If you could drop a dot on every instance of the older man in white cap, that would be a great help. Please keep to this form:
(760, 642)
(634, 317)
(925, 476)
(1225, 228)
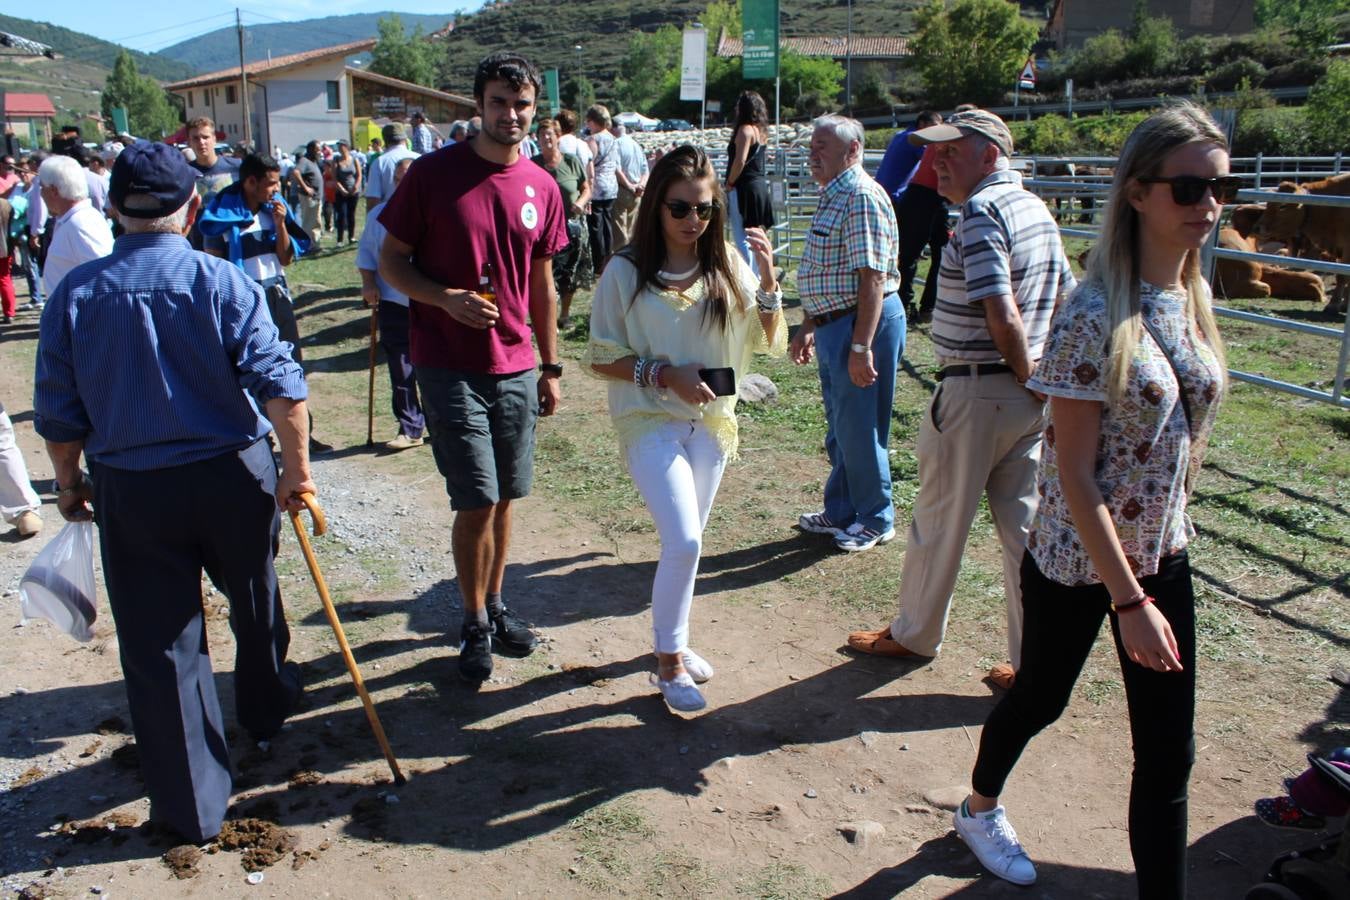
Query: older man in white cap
(1001, 277)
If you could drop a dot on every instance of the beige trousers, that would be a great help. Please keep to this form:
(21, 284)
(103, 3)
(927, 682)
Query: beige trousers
(624, 215)
(980, 436)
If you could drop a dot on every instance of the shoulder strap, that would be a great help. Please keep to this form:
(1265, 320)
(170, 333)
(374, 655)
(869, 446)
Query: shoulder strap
(1181, 385)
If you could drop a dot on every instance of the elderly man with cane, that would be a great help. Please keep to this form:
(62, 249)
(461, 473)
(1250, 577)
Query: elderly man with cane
(153, 363)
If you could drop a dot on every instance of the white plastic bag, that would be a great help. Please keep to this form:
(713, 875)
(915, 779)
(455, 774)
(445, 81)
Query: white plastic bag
(59, 585)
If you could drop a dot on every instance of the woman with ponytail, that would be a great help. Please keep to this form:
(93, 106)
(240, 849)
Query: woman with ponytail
(1134, 369)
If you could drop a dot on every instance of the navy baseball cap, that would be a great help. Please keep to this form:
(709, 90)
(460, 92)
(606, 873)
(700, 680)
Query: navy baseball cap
(152, 169)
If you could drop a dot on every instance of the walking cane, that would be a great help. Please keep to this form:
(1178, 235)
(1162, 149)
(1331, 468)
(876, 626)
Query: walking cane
(320, 526)
(370, 405)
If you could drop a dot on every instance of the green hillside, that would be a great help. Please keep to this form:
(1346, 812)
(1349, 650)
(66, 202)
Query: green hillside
(219, 49)
(547, 32)
(86, 50)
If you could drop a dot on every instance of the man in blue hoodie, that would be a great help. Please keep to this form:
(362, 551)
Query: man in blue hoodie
(249, 224)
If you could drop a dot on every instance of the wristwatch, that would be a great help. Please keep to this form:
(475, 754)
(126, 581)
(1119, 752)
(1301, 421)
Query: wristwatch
(861, 348)
(551, 369)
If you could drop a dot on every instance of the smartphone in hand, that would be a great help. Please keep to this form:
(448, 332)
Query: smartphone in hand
(722, 380)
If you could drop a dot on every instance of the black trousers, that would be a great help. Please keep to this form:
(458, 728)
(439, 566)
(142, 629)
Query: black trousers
(921, 215)
(600, 222)
(223, 519)
(393, 321)
(344, 216)
(1060, 624)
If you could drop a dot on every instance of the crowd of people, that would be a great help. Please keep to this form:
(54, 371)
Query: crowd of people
(1079, 409)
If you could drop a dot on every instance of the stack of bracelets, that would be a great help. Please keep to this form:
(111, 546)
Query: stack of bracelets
(769, 301)
(647, 372)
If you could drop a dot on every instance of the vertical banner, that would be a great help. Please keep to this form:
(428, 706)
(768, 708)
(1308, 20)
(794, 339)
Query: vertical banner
(551, 88)
(119, 117)
(759, 30)
(693, 67)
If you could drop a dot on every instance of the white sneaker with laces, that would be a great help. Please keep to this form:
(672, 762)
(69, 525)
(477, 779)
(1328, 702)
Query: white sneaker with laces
(991, 838)
(698, 668)
(857, 537)
(681, 693)
(818, 523)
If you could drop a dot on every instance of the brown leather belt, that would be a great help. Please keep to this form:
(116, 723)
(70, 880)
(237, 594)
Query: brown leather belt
(962, 369)
(833, 316)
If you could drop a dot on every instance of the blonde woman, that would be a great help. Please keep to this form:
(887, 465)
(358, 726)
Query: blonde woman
(675, 319)
(1134, 370)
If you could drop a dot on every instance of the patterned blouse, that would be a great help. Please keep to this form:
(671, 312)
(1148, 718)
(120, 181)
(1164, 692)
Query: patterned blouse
(1144, 441)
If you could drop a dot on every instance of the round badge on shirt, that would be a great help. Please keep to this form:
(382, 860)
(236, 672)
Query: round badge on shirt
(529, 190)
(529, 216)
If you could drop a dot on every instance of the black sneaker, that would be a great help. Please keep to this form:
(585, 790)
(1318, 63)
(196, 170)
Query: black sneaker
(510, 634)
(475, 653)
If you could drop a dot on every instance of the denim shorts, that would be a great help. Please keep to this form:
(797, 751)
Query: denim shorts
(482, 433)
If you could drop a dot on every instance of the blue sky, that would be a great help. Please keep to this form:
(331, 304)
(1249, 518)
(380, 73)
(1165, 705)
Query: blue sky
(152, 24)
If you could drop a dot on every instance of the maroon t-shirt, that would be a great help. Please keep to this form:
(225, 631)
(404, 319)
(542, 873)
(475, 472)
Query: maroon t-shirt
(458, 210)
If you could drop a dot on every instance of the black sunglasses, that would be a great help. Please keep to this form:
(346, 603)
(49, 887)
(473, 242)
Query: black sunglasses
(1188, 190)
(679, 209)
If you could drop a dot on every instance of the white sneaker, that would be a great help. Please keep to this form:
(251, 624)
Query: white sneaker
(818, 523)
(856, 538)
(698, 668)
(681, 693)
(991, 838)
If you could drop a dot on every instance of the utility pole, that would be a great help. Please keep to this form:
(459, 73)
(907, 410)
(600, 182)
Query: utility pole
(243, 76)
(848, 63)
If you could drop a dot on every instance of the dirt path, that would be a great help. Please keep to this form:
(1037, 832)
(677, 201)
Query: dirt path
(811, 773)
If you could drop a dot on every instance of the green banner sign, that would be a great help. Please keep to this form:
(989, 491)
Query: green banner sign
(759, 30)
(119, 117)
(551, 88)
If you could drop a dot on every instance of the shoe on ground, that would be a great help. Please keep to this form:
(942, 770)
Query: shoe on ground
(879, 643)
(511, 635)
(698, 668)
(293, 688)
(564, 323)
(991, 838)
(403, 442)
(858, 537)
(681, 694)
(28, 523)
(1003, 675)
(318, 446)
(818, 523)
(1283, 812)
(475, 652)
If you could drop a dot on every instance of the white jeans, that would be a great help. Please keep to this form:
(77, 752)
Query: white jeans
(16, 494)
(676, 468)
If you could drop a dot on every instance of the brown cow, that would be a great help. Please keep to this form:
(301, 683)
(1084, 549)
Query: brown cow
(1324, 229)
(1242, 278)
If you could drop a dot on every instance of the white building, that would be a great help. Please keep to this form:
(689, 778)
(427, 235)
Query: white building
(292, 99)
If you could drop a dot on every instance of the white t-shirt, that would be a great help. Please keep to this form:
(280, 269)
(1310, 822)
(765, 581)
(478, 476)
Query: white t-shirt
(81, 234)
(570, 143)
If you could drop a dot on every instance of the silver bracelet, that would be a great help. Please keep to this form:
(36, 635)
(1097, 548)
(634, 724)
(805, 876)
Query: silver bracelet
(638, 365)
(769, 301)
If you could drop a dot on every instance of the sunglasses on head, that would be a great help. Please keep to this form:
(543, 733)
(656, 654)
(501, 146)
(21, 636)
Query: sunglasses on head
(1188, 190)
(679, 209)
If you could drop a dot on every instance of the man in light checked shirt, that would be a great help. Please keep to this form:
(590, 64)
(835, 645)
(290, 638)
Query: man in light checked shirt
(854, 324)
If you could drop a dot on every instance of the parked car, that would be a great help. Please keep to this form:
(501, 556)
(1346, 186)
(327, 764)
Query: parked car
(674, 125)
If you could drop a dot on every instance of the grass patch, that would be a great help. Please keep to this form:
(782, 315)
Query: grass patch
(1098, 691)
(677, 874)
(603, 835)
(784, 881)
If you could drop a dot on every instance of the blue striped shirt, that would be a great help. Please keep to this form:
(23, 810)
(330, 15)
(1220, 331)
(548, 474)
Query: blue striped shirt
(158, 356)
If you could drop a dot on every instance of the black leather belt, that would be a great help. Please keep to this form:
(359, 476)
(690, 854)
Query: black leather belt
(958, 371)
(833, 316)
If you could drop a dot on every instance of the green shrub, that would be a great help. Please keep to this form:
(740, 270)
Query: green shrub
(1051, 136)
(1105, 134)
(1228, 76)
(1281, 131)
(878, 138)
(1296, 74)
(1153, 48)
(1329, 109)
(1101, 58)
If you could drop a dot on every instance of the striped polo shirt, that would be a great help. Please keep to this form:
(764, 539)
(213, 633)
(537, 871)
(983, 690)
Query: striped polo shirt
(1005, 243)
(258, 246)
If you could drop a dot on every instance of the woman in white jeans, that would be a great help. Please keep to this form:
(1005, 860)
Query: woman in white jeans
(676, 302)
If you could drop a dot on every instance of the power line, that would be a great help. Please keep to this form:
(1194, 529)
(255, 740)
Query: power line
(132, 37)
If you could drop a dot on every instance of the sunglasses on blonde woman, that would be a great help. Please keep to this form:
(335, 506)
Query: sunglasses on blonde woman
(679, 209)
(1188, 190)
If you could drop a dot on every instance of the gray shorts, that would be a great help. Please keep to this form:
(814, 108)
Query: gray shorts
(482, 433)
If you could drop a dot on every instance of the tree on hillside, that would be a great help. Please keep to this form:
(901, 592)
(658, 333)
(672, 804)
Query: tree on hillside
(149, 111)
(1311, 22)
(644, 75)
(971, 50)
(398, 55)
(1328, 107)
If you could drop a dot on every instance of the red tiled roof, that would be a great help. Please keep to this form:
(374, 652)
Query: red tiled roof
(271, 65)
(864, 47)
(28, 105)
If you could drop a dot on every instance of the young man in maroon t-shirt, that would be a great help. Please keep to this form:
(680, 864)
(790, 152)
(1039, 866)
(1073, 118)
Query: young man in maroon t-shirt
(472, 231)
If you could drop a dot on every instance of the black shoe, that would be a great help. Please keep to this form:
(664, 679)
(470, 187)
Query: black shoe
(318, 446)
(475, 652)
(293, 688)
(510, 634)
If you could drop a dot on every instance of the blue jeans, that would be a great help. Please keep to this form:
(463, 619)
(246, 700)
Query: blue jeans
(858, 420)
(738, 231)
